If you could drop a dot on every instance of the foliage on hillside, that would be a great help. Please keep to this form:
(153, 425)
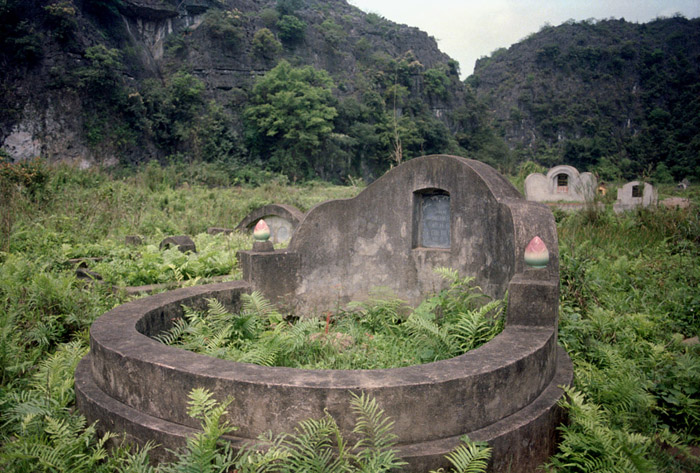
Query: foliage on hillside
(194, 95)
(619, 98)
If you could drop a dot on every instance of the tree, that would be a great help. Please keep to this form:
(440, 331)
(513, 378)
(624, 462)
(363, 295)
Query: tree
(291, 28)
(290, 117)
(265, 44)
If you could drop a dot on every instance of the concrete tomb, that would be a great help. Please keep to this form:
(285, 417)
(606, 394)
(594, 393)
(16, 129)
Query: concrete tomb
(676, 203)
(133, 240)
(281, 218)
(217, 230)
(182, 242)
(429, 212)
(561, 184)
(635, 194)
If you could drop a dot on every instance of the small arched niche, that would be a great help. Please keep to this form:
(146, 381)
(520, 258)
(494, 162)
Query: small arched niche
(637, 191)
(432, 219)
(562, 181)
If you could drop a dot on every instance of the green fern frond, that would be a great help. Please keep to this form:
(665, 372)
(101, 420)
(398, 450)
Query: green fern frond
(312, 449)
(431, 334)
(174, 334)
(138, 460)
(476, 327)
(262, 354)
(448, 274)
(374, 452)
(204, 452)
(469, 457)
(216, 309)
(298, 333)
(200, 403)
(256, 303)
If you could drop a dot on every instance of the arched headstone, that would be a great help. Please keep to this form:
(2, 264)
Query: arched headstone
(635, 194)
(181, 242)
(281, 218)
(561, 184)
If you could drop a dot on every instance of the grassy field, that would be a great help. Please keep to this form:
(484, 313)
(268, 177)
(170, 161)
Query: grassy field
(630, 297)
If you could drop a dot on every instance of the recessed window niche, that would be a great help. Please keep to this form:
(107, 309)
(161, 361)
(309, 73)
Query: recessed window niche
(431, 219)
(562, 183)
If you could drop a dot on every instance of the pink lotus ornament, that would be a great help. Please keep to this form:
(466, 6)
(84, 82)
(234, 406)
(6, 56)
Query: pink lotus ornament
(536, 253)
(261, 232)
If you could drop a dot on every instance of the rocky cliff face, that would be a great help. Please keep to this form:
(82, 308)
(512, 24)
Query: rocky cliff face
(597, 92)
(48, 107)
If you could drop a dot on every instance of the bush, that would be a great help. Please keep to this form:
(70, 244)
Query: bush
(265, 44)
(225, 26)
(291, 29)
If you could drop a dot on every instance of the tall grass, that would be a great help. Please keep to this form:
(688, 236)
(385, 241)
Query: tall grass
(630, 297)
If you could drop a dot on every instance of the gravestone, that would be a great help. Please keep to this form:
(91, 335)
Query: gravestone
(430, 212)
(217, 230)
(133, 240)
(281, 218)
(434, 221)
(561, 184)
(635, 194)
(182, 242)
(676, 203)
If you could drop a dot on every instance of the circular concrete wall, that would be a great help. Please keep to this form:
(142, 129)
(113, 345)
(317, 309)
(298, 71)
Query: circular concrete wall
(504, 391)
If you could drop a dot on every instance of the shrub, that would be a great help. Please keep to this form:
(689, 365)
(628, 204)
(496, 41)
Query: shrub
(291, 29)
(225, 26)
(265, 44)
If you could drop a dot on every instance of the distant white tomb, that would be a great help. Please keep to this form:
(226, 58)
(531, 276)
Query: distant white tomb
(561, 184)
(635, 194)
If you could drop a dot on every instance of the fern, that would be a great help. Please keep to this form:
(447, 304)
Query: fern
(264, 354)
(438, 340)
(591, 444)
(317, 445)
(174, 334)
(381, 311)
(138, 460)
(374, 452)
(256, 304)
(205, 452)
(476, 327)
(469, 457)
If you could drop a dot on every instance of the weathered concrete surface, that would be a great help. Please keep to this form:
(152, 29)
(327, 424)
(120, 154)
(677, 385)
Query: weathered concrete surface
(133, 240)
(149, 382)
(676, 203)
(504, 391)
(526, 438)
(635, 194)
(281, 218)
(217, 230)
(348, 247)
(273, 273)
(578, 187)
(182, 242)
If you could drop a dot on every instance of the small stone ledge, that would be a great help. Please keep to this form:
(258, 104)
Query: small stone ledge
(534, 425)
(512, 370)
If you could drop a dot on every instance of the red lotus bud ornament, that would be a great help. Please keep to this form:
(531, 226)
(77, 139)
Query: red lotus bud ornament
(536, 253)
(261, 232)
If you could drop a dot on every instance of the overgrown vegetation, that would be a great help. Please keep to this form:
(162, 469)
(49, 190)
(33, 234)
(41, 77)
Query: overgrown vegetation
(630, 295)
(630, 288)
(610, 96)
(379, 333)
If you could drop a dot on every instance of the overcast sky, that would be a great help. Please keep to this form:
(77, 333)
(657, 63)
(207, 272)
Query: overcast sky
(469, 29)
